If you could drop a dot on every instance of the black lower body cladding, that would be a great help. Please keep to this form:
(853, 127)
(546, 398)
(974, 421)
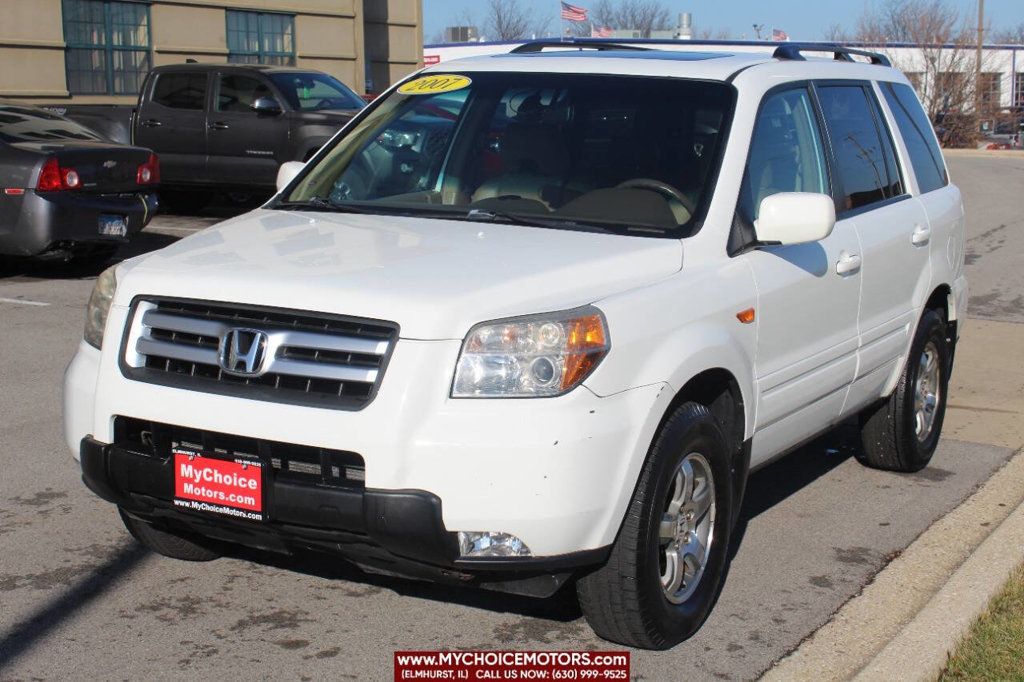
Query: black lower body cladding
(65, 222)
(395, 532)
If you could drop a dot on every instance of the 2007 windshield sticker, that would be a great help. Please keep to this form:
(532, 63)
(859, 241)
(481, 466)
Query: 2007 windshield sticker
(434, 84)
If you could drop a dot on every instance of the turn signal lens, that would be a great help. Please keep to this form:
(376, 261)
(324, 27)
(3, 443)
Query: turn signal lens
(535, 356)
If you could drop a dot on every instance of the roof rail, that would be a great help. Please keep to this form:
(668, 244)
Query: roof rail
(535, 46)
(792, 51)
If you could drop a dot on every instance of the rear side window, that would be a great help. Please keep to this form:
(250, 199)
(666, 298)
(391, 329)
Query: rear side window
(925, 156)
(786, 151)
(180, 90)
(865, 158)
(239, 93)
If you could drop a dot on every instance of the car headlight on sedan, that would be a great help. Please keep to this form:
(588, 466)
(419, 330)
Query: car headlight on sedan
(99, 307)
(537, 356)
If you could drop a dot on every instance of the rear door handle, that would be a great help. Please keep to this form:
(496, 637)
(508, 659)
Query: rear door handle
(848, 264)
(218, 125)
(152, 123)
(921, 236)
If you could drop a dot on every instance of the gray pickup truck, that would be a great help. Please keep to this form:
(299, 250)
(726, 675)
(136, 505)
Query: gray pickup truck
(225, 126)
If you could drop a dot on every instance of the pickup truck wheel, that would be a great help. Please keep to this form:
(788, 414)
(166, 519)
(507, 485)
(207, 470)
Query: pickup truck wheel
(901, 433)
(186, 202)
(168, 544)
(668, 560)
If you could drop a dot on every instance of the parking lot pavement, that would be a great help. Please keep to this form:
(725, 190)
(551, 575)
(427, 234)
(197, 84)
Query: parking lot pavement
(80, 599)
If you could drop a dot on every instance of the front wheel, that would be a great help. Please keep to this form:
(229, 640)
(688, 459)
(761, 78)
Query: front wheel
(667, 563)
(902, 432)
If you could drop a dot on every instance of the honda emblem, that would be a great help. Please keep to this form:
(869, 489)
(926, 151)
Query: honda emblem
(243, 352)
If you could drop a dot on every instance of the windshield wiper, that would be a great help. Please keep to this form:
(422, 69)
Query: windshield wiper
(530, 220)
(324, 204)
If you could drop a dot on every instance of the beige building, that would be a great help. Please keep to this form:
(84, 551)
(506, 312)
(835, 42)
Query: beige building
(98, 51)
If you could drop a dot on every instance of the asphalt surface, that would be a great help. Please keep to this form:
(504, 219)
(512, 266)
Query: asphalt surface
(79, 599)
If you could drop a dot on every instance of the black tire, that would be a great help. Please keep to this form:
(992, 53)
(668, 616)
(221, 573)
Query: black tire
(186, 202)
(624, 600)
(889, 429)
(166, 543)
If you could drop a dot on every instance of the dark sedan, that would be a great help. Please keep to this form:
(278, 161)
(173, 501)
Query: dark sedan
(67, 193)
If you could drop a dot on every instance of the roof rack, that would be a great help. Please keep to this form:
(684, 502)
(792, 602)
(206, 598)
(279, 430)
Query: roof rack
(535, 46)
(793, 51)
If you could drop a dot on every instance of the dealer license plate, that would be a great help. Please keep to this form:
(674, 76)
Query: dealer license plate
(224, 485)
(113, 226)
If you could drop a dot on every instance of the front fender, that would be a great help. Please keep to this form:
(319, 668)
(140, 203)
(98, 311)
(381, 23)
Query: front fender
(673, 330)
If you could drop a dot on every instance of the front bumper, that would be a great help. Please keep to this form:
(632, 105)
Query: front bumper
(36, 223)
(398, 532)
(558, 473)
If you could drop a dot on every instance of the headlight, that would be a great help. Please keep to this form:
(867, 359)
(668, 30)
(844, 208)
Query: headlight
(99, 306)
(531, 357)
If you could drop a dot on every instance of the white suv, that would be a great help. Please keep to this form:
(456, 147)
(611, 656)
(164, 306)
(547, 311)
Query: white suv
(537, 316)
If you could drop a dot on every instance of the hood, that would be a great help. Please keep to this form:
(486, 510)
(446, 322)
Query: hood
(435, 278)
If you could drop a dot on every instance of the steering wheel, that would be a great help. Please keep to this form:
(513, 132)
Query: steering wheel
(663, 188)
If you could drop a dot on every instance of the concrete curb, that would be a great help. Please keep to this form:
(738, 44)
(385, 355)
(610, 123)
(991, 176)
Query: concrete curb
(921, 650)
(904, 623)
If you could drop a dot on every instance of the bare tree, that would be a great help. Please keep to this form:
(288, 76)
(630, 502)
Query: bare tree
(511, 20)
(941, 69)
(642, 16)
(837, 33)
(1011, 36)
(714, 34)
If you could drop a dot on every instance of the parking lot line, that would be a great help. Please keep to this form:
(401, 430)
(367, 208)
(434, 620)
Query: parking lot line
(21, 301)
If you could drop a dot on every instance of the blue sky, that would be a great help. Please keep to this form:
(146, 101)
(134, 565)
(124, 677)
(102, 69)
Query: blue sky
(801, 19)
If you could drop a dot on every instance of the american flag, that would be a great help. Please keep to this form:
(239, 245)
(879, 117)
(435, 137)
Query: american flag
(573, 13)
(778, 35)
(602, 32)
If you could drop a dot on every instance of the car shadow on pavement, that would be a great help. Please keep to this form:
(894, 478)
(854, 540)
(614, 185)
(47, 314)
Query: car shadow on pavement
(54, 614)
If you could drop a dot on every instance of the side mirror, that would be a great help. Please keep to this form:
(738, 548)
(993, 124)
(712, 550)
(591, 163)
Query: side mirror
(287, 172)
(795, 218)
(267, 106)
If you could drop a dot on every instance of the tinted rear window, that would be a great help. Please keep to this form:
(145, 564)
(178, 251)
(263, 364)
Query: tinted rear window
(180, 90)
(864, 153)
(925, 156)
(25, 124)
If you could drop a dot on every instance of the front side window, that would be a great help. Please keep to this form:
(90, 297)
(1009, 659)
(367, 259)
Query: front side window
(315, 91)
(239, 93)
(786, 151)
(107, 46)
(261, 38)
(865, 158)
(632, 154)
(925, 155)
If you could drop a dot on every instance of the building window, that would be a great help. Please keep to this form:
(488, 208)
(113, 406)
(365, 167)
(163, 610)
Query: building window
(261, 38)
(107, 46)
(991, 90)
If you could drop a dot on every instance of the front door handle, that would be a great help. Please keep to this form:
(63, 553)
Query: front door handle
(152, 123)
(921, 236)
(848, 264)
(218, 125)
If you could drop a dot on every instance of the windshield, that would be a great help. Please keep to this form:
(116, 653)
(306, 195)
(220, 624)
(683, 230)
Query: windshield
(313, 91)
(573, 150)
(24, 124)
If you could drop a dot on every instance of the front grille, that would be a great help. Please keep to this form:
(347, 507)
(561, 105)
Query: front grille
(297, 463)
(311, 359)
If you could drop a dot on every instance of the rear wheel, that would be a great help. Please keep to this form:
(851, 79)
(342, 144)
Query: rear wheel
(667, 563)
(186, 202)
(168, 544)
(902, 432)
